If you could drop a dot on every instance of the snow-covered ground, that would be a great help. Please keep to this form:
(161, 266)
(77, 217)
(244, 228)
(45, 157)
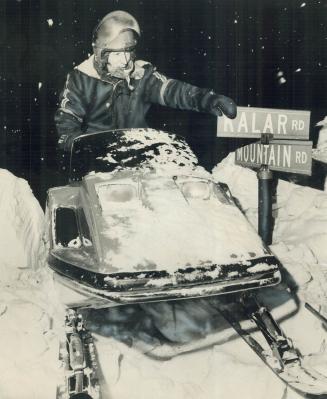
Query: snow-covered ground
(28, 358)
(224, 367)
(320, 152)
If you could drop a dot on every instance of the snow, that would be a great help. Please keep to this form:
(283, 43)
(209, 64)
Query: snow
(190, 376)
(21, 221)
(175, 221)
(320, 153)
(128, 347)
(25, 324)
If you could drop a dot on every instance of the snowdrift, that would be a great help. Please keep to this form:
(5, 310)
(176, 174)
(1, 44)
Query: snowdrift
(300, 212)
(21, 227)
(28, 357)
(320, 153)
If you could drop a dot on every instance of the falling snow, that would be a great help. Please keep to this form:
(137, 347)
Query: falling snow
(50, 22)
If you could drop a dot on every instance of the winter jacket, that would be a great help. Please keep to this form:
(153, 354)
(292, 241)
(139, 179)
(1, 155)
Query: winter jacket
(89, 103)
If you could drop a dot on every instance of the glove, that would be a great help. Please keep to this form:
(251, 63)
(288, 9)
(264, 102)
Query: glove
(219, 104)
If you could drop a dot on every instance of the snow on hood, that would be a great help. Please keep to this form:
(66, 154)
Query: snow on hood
(162, 229)
(132, 149)
(151, 149)
(166, 230)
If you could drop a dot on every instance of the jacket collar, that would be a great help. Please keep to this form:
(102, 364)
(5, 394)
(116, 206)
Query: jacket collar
(89, 69)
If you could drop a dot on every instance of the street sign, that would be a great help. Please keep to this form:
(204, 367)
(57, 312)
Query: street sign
(252, 122)
(282, 155)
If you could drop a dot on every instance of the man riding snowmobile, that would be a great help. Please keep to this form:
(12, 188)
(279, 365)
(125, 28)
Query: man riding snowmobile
(113, 90)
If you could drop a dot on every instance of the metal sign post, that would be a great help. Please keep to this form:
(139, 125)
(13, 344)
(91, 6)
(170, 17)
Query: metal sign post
(265, 176)
(292, 156)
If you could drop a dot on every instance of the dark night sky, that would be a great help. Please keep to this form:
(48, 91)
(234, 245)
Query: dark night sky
(261, 53)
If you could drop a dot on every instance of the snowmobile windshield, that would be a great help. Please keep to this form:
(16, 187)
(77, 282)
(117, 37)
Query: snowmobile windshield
(128, 149)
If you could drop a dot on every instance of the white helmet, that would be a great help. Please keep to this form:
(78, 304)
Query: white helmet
(117, 31)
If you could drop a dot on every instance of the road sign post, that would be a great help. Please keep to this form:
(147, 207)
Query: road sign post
(292, 156)
(265, 177)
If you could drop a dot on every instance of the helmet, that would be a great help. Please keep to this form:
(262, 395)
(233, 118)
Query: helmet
(117, 31)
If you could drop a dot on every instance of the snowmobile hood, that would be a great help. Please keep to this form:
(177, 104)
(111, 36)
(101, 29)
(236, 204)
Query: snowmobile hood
(154, 223)
(145, 222)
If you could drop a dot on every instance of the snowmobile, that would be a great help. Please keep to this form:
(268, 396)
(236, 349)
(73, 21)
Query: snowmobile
(140, 221)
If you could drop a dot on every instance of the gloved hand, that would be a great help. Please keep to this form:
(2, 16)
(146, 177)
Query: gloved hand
(219, 104)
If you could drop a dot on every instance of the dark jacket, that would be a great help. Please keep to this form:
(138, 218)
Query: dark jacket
(89, 103)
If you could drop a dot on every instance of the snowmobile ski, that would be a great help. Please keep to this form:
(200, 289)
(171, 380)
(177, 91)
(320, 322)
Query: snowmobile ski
(276, 349)
(316, 313)
(79, 361)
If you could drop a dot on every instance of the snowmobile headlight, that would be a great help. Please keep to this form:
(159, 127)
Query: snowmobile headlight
(117, 193)
(196, 189)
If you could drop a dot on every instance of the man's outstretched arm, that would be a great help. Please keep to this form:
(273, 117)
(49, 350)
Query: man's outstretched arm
(177, 94)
